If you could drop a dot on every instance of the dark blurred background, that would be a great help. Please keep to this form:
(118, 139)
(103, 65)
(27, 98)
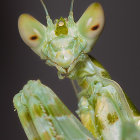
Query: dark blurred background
(118, 49)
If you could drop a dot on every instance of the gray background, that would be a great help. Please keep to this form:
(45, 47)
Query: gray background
(118, 49)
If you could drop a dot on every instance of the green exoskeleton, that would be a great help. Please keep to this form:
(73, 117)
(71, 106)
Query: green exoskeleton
(104, 109)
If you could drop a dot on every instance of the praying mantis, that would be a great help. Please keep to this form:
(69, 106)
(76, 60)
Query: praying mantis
(105, 111)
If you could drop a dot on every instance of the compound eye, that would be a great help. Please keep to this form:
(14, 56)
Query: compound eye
(32, 32)
(34, 37)
(91, 22)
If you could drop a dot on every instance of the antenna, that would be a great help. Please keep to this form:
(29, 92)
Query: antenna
(71, 7)
(44, 6)
(49, 21)
(70, 17)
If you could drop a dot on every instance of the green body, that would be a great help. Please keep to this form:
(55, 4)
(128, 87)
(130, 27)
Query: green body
(44, 117)
(102, 105)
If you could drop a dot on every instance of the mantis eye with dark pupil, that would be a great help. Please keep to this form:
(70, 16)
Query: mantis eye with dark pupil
(34, 37)
(95, 27)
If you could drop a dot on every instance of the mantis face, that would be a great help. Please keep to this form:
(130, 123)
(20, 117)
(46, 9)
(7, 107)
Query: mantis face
(63, 43)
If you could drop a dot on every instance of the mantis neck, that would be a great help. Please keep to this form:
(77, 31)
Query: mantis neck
(87, 71)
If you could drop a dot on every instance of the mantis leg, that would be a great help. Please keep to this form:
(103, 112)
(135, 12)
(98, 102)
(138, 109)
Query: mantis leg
(25, 118)
(44, 117)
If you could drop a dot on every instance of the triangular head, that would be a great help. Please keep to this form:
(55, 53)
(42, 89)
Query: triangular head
(63, 43)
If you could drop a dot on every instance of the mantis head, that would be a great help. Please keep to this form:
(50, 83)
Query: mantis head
(63, 43)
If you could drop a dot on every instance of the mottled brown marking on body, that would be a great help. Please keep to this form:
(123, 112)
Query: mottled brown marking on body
(99, 123)
(98, 94)
(46, 136)
(112, 118)
(37, 110)
(26, 118)
(95, 27)
(34, 37)
(36, 138)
